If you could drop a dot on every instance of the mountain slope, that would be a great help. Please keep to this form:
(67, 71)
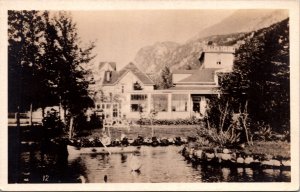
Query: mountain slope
(235, 27)
(151, 58)
(244, 21)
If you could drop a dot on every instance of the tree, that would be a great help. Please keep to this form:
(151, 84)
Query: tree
(166, 78)
(25, 34)
(46, 63)
(72, 86)
(50, 60)
(219, 112)
(260, 76)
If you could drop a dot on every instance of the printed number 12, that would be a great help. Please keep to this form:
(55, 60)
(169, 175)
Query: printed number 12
(46, 178)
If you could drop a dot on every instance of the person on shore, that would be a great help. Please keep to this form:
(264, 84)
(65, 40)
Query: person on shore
(124, 140)
(106, 140)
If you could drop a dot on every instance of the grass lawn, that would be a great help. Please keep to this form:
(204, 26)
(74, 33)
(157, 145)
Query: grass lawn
(168, 131)
(273, 148)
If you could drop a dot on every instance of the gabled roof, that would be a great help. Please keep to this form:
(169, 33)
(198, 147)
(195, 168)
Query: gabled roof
(112, 64)
(117, 76)
(200, 76)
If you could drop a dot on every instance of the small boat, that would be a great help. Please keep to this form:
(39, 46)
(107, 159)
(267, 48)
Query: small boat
(72, 150)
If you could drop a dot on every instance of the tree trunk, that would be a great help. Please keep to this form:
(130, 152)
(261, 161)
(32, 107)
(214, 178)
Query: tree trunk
(59, 110)
(224, 114)
(18, 117)
(245, 128)
(43, 112)
(30, 114)
(71, 128)
(244, 123)
(208, 124)
(65, 114)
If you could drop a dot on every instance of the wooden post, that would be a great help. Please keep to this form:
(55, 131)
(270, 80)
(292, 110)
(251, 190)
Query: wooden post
(152, 129)
(108, 130)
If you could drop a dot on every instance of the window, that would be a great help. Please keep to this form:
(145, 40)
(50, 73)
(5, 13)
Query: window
(122, 88)
(180, 102)
(160, 102)
(115, 110)
(138, 102)
(137, 86)
(110, 97)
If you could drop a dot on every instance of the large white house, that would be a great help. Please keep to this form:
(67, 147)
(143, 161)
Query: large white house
(128, 92)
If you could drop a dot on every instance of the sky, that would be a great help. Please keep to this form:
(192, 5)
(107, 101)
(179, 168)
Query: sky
(119, 34)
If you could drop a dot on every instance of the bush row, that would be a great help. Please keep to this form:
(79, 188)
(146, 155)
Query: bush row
(191, 121)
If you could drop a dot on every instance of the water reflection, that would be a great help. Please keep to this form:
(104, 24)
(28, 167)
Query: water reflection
(123, 158)
(225, 173)
(159, 164)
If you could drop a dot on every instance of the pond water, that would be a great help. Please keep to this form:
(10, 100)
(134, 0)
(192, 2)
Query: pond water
(159, 165)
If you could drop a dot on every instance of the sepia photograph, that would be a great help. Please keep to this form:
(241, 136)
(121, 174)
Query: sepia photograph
(158, 95)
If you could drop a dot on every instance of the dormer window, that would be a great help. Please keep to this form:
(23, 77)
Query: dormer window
(137, 86)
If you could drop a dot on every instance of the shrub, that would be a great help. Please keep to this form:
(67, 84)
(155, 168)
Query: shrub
(264, 132)
(190, 121)
(52, 125)
(222, 139)
(95, 122)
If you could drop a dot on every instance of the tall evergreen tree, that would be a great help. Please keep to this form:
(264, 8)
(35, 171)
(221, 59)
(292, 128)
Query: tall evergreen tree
(166, 78)
(261, 76)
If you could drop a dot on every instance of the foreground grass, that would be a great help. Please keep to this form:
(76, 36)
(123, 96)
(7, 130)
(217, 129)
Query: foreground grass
(274, 148)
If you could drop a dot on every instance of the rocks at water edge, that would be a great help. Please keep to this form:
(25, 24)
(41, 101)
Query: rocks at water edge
(234, 158)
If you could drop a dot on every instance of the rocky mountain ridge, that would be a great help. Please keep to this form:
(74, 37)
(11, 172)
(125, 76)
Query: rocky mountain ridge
(228, 32)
